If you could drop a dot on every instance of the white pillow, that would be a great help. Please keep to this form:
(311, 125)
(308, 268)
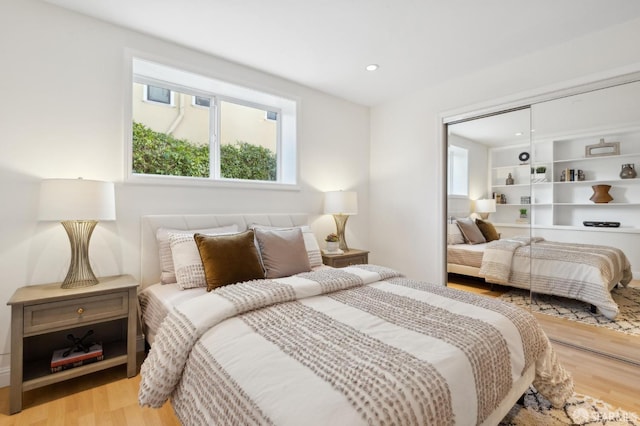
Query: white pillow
(310, 242)
(189, 271)
(454, 235)
(167, 274)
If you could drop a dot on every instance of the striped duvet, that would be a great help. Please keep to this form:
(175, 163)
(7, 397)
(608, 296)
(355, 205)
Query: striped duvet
(358, 345)
(578, 271)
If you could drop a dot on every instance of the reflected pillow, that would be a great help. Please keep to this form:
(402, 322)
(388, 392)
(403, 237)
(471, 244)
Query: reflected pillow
(470, 231)
(454, 236)
(229, 259)
(488, 230)
(282, 252)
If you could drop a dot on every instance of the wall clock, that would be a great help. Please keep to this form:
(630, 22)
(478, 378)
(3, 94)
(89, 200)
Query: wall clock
(523, 156)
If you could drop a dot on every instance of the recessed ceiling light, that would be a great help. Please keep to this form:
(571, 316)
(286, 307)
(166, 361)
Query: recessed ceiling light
(372, 67)
(519, 134)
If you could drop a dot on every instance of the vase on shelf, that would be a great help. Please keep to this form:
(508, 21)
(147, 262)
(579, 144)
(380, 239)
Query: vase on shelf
(628, 171)
(601, 194)
(509, 180)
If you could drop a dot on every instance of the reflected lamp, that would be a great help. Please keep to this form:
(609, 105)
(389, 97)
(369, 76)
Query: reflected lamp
(484, 207)
(78, 204)
(341, 204)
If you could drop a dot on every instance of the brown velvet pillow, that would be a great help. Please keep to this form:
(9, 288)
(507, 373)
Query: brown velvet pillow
(470, 231)
(488, 230)
(229, 259)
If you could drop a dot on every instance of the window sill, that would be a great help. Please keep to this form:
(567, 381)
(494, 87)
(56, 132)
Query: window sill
(203, 182)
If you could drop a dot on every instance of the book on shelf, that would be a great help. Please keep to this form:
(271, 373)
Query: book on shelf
(61, 362)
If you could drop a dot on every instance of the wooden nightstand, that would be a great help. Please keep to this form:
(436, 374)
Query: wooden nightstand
(43, 315)
(349, 257)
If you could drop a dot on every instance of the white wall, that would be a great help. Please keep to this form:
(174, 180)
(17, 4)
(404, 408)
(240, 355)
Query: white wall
(63, 79)
(407, 172)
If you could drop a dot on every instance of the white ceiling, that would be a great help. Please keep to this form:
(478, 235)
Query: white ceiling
(509, 128)
(326, 44)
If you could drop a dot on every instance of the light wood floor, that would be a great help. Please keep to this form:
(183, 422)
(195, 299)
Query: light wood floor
(614, 377)
(109, 398)
(104, 398)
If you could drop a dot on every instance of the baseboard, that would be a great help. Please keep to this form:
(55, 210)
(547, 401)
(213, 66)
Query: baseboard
(4, 377)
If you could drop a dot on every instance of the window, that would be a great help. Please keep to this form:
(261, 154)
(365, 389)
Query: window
(272, 115)
(158, 94)
(200, 101)
(215, 130)
(458, 179)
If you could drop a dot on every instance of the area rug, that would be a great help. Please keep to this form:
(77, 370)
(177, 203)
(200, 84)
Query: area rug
(627, 321)
(579, 410)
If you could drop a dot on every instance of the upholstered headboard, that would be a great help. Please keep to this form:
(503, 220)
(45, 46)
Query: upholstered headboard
(149, 257)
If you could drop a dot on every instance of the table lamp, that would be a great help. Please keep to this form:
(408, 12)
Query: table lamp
(78, 204)
(484, 207)
(341, 204)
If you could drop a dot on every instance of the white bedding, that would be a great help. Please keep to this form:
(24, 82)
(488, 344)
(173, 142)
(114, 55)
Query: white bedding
(157, 300)
(577, 271)
(466, 254)
(346, 346)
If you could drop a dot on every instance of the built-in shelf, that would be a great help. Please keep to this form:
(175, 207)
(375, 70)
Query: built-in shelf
(556, 203)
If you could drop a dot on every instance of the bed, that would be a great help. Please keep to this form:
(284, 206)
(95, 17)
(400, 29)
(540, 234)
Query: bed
(577, 271)
(357, 345)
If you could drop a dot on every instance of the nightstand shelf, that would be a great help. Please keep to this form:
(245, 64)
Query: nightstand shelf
(349, 257)
(43, 315)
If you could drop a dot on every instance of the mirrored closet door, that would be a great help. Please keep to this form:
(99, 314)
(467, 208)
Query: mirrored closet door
(588, 214)
(489, 190)
(561, 175)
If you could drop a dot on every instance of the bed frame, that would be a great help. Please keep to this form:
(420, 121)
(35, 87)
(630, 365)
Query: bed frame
(471, 271)
(149, 259)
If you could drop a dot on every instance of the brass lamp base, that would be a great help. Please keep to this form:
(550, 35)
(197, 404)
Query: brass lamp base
(80, 273)
(341, 222)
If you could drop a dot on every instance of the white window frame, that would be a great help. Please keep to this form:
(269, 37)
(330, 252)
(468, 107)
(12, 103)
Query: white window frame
(257, 106)
(286, 108)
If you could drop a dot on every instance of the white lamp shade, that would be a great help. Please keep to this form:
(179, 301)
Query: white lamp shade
(76, 199)
(341, 202)
(485, 206)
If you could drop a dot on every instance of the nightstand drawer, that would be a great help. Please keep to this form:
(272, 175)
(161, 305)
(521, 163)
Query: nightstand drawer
(348, 261)
(347, 258)
(65, 313)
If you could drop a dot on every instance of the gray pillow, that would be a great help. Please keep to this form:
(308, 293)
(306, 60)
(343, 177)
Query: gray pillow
(470, 230)
(282, 251)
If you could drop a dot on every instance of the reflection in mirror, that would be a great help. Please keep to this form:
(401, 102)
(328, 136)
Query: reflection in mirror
(586, 219)
(488, 198)
(574, 184)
